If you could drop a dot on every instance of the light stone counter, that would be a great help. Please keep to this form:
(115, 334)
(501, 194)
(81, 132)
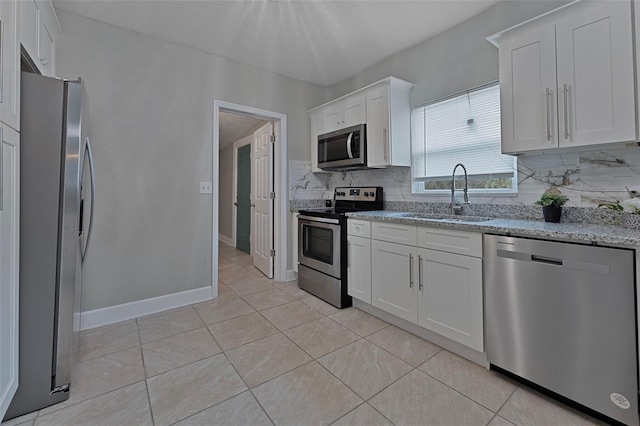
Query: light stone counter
(565, 231)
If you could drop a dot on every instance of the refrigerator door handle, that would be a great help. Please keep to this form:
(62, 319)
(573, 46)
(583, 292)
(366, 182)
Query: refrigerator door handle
(93, 197)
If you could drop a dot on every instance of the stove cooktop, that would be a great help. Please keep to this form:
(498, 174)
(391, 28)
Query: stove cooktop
(350, 199)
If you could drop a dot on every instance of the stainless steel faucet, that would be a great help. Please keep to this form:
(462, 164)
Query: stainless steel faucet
(457, 208)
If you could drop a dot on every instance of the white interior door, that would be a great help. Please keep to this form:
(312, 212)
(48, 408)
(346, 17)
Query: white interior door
(261, 190)
(9, 232)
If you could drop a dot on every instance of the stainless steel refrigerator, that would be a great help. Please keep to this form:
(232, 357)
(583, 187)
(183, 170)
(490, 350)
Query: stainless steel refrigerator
(54, 236)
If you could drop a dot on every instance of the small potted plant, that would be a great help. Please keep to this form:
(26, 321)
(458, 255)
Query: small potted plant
(552, 201)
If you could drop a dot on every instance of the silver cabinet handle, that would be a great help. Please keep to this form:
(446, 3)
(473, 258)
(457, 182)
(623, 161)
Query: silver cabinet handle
(252, 204)
(548, 107)
(349, 254)
(386, 144)
(410, 270)
(565, 88)
(420, 272)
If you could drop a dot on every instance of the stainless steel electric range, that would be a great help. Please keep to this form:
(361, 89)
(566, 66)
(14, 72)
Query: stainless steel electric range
(322, 243)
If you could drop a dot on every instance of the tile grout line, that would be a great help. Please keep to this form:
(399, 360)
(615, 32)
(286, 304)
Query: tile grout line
(144, 371)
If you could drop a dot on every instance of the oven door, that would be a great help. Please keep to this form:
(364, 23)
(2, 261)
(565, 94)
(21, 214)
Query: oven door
(343, 148)
(319, 244)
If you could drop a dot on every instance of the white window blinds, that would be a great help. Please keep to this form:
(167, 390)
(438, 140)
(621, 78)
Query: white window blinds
(462, 129)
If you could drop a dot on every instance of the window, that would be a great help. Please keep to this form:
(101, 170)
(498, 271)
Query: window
(464, 128)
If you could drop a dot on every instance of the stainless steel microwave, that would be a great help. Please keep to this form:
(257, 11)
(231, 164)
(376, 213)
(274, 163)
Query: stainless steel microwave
(343, 149)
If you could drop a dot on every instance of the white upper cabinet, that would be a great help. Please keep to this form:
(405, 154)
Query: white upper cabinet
(10, 63)
(39, 28)
(567, 78)
(384, 108)
(389, 123)
(316, 129)
(344, 113)
(528, 90)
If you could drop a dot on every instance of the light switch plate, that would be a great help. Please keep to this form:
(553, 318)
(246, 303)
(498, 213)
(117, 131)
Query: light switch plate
(205, 188)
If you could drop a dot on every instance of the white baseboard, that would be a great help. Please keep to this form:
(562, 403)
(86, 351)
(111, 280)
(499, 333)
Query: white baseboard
(126, 311)
(291, 275)
(224, 239)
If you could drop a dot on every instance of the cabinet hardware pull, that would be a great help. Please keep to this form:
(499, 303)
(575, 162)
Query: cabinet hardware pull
(548, 106)
(349, 254)
(420, 272)
(386, 144)
(410, 270)
(566, 111)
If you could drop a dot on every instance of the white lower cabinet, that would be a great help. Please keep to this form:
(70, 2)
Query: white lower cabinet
(359, 268)
(9, 262)
(393, 286)
(433, 278)
(450, 296)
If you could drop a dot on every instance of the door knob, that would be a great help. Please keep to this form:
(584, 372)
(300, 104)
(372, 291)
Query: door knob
(235, 204)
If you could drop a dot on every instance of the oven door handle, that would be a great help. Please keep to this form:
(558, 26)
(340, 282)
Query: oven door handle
(319, 219)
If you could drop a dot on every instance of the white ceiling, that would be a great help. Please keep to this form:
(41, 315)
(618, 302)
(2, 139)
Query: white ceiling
(318, 41)
(235, 126)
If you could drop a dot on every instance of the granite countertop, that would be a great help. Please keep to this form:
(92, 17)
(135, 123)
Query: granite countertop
(567, 231)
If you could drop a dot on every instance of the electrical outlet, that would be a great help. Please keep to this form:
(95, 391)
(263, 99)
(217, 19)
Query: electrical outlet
(205, 188)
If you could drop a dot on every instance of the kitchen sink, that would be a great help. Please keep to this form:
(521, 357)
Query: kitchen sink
(439, 217)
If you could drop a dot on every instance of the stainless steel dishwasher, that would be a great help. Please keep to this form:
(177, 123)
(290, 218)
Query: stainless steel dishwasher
(563, 316)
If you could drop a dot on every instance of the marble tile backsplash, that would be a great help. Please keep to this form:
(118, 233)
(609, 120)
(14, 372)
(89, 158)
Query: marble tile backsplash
(587, 178)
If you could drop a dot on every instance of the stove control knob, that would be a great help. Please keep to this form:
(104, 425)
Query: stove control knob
(366, 194)
(372, 194)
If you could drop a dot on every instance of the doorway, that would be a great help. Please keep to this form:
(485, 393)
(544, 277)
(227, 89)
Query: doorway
(279, 184)
(243, 199)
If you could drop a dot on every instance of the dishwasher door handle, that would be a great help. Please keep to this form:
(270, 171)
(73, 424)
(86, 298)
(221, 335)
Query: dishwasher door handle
(528, 257)
(547, 260)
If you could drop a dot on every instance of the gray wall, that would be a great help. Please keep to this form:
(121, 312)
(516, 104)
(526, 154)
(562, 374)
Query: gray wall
(151, 126)
(225, 204)
(455, 60)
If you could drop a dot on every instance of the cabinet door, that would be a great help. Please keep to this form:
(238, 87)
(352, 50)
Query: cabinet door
(9, 229)
(354, 110)
(333, 117)
(528, 90)
(29, 21)
(316, 129)
(10, 62)
(378, 151)
(595, 74)
(45, 50)
(393, 281)
(359, 268)
(450, 296)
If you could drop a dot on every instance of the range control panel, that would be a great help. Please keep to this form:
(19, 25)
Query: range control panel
(372, 193)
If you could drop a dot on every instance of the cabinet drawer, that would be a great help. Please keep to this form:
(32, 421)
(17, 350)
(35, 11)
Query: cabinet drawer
(359, 228)
(452, 241)
(394, 233)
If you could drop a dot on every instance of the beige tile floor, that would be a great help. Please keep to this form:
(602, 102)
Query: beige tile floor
(268, 353)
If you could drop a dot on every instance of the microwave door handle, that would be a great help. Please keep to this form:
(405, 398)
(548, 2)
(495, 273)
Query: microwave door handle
(349, 152)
